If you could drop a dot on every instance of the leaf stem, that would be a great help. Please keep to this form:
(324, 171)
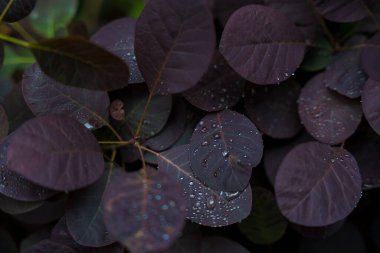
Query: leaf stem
(137, 133)
(15, 41)
(5, 11)
(121, 143)
(23, 33)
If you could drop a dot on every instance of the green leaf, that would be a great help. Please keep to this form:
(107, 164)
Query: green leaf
(79, 63)
(265, 224)
(51, 15)
(15, 60)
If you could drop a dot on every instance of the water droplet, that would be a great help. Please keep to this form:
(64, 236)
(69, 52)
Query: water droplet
(201, 123)
(205, 143)
(164, 207)
(165, 237)
(225, 153)
(216, 136)
(204, 129)
(211, 203)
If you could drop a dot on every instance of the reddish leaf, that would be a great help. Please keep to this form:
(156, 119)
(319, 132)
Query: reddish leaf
(265, 53)
(204, 205)
(175, 40)
(56, 152)
(220, 88)
(119, 37)
(327, 116)
(144, 214)
(371, 104)
(225, 146)
(274, 109)
(44, 95)
(317, 185)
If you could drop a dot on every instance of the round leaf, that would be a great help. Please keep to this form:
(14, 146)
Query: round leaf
(327, 116)
(225, 146)
(274, 109)
(44, 95)
(265, 224)
(119, 37)
(56, 152)
(317, 185)
(144, 214)
(19, 9)
(12, 206)
(371, 104)
(204, 205)
(265, 53)
(175, 41)
(79, 63)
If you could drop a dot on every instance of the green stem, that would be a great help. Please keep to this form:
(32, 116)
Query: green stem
(16, 41)
(20, 30)
(5, 11)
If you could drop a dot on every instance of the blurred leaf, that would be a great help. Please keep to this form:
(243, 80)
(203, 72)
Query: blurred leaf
(318, 56)
(51, 15)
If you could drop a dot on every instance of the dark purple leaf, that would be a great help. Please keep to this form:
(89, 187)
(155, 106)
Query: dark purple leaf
(204, 205)
(173, 129)
(188, 243)
(56, 152)
(15, 186)
(317, 185)
(223, 9)
(345, 75)
(79, 63)
(84, 214)
(4, 124)
(48, 212)
(327, 116)
(44, 95)
(220, 88)
(61, 234)
(371, 104)
(156, 116)
(370, 55)
(298, 11)
(366, 150)
(343, 10)
(12, 206)
(19, 9)
(47, 246)
(274, 109)
(119, 37)
(225, 146)
(144, 213)
(265, 53)
(265, 225)
(175, 41)
(15, 107)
